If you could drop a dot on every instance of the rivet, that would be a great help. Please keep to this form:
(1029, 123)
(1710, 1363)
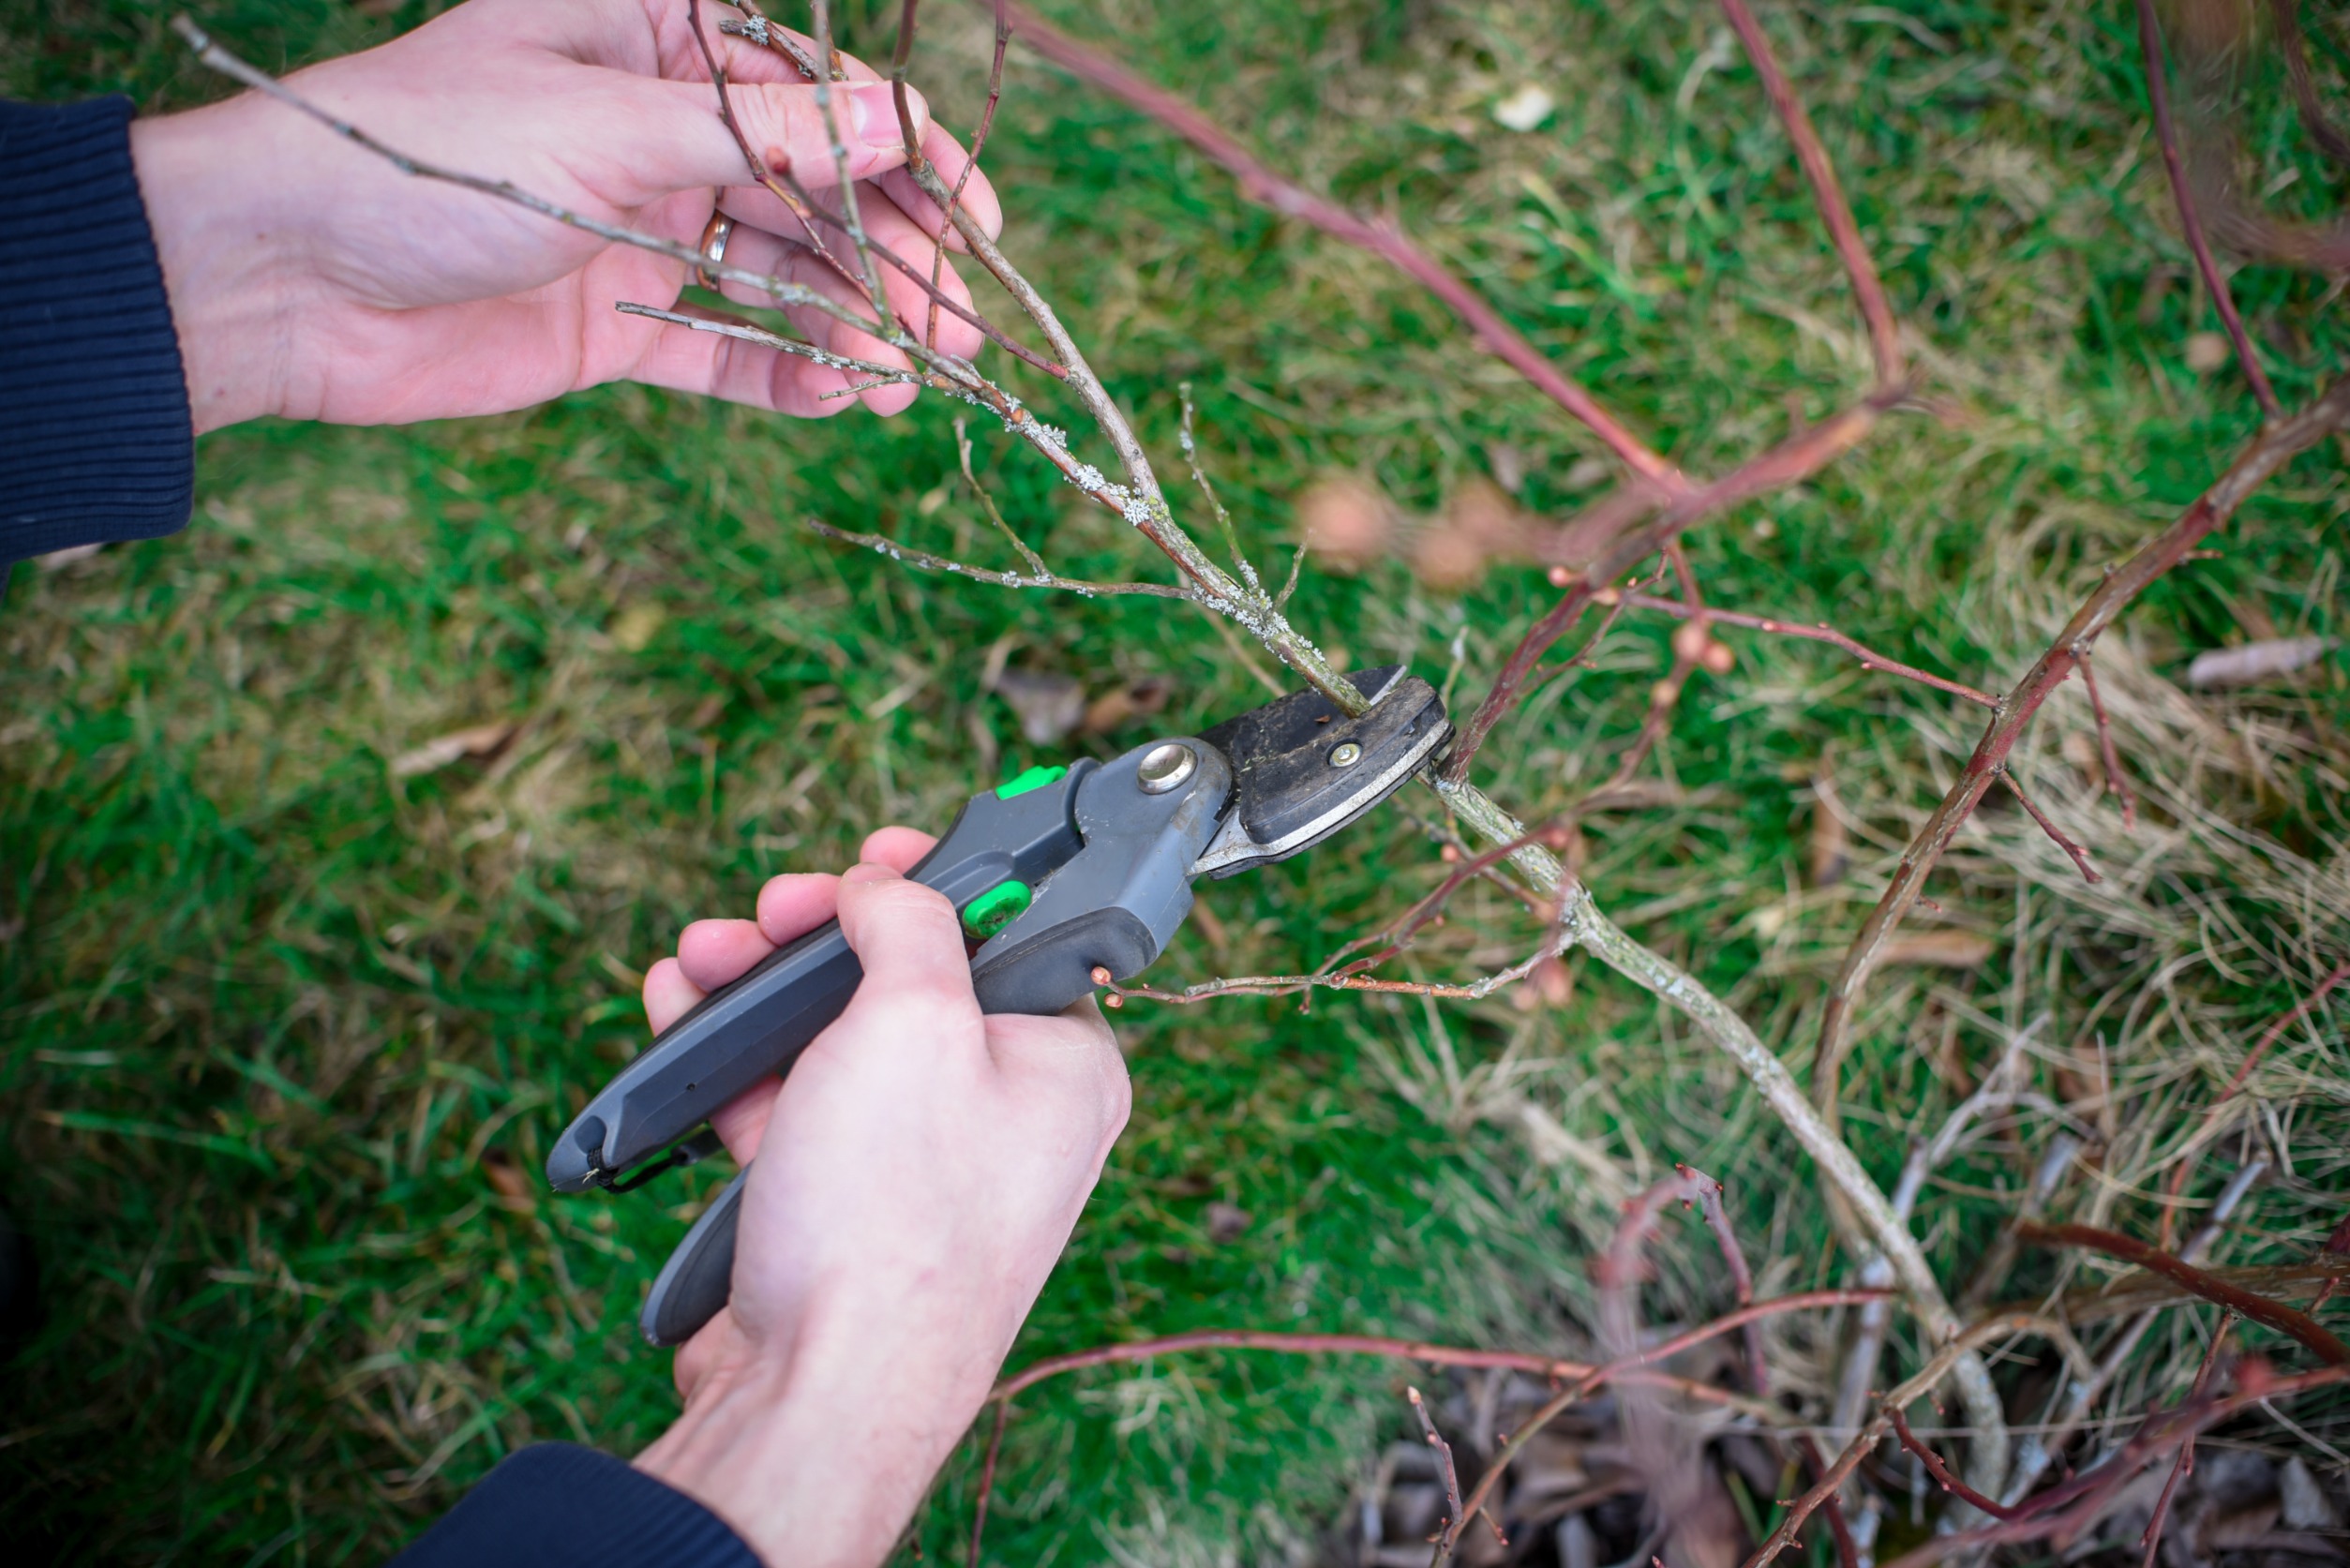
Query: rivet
(1346, 755)
(1165, 765)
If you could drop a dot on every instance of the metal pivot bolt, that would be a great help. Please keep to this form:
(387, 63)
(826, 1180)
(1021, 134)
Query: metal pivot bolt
(1346, 755)
(1165, 765)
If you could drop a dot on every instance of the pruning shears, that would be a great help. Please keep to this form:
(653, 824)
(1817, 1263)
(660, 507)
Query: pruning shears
(1058, 874)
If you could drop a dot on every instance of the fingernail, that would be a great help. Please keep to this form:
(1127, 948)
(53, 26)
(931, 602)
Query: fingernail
(872, 111)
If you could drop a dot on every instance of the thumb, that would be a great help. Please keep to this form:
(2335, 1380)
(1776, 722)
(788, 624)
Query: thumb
(676, 140)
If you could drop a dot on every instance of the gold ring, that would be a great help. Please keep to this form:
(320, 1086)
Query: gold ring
(714, 237)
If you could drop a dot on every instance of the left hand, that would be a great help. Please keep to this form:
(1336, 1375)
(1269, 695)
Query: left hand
(310, 278)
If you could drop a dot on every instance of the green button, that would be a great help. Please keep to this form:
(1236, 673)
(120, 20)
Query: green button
(997, 907)
(1035, 778)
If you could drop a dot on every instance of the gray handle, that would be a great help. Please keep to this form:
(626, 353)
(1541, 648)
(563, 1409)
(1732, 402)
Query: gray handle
(695, 1280)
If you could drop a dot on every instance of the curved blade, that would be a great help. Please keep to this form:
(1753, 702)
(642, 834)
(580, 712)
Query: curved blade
(1302, 770)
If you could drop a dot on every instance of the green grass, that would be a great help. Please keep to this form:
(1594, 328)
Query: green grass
(268, 1014)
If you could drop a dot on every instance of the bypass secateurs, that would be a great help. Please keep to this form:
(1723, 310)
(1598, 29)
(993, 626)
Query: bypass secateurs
(1056, 874)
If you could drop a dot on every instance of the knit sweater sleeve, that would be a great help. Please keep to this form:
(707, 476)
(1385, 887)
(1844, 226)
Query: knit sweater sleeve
(97, 442)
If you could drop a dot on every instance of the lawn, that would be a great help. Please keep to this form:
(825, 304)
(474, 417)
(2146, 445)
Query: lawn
(286, 1022)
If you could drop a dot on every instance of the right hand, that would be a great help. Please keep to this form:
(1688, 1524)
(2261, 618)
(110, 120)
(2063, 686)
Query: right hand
(919, 1174)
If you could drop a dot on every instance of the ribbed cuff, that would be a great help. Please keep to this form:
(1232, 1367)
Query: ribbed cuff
(562, 1506)
(97, 442)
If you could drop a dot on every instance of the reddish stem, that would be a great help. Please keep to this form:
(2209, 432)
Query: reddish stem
(2268, 453)
(2116, 783)
(2080, 856)
(1261, 185)
(1884, 333)
(2189, 220)
(2268, 1037)
(2260, 1309)
(2185, 1466)
(1818, 632)
(1944, 1474)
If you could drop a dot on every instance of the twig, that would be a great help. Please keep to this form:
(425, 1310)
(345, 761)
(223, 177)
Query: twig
(1260, 184)
(1818, 631)
(2079, 1394)
(1941, 1472)
(1775, 468)
(2270, 452)
(2080, 856)
(2286, 14)
(1884, 333)
(2095, 1491)
(2116, 782)
(2152, 1540)
(2235, 1083)
(1949, 1357)
(922, 561)
(1451, 1478)
(987, 1479)
(2190, 221)
(1619, 1275)
(2260, 1309)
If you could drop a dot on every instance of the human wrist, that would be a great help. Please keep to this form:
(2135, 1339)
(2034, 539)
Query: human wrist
(222, 250)
(817, 1453)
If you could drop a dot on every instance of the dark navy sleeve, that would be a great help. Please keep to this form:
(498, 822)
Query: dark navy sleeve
(96, 439)
(557, 1506)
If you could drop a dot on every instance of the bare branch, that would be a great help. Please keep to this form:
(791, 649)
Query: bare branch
(2189, 220)
(2270, 452)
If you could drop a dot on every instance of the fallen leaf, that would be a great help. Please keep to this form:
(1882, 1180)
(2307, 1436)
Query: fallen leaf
(636, 626)
(66, 556)
(481, 740)
(1121, 706)
(1524, 108)
(1345, 521)
(1226, 1223)
(1047, 706)
(1941, 950)
(2257, 661)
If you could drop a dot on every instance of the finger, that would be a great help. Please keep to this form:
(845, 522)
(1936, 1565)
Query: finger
(899, 848)
(711, 953)
(910, 944)
(766, 377)
(795, 904)
(749, 63)
(675, 142)
(908, 287)
(668, 994)
(947, 157)
(741, 1124)
(807, 384)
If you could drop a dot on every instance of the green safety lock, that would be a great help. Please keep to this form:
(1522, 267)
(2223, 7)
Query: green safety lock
(996, 908)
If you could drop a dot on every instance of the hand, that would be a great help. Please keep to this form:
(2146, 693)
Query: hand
(310, 278)
(919, 1174)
